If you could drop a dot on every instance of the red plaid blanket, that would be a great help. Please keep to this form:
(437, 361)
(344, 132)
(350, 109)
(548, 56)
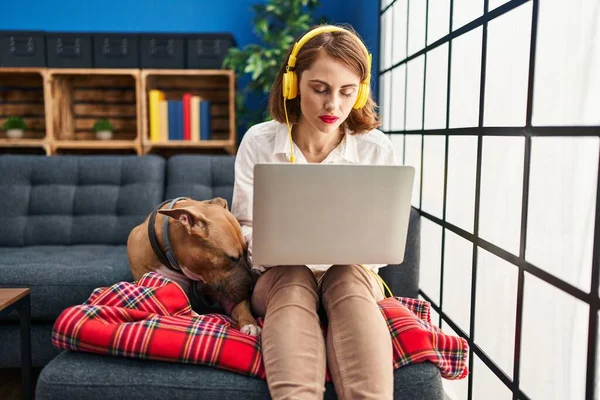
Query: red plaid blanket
(152, 319)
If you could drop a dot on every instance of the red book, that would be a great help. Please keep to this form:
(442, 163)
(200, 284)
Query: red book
(187, 97)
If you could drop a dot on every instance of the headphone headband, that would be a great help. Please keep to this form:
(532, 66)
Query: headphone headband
(323, 29)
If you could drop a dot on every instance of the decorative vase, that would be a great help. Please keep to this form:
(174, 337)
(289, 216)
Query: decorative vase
(104, 135)
(14, 133)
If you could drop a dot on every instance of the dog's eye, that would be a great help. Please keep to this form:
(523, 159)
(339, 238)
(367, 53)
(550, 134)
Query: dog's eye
(235, 259)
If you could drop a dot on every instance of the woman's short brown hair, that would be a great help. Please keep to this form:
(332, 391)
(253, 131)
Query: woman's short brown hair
(340, 46)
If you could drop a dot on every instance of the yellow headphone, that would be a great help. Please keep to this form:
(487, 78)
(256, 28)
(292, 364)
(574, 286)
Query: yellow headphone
(290, 79)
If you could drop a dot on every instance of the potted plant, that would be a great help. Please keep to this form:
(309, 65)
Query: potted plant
(14, 127)
(276, 23)
(103, 129)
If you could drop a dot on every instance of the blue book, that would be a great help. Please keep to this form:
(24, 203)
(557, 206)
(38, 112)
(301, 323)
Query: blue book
(205, 120)
(175, 110)
(173, 120)
(179, 117)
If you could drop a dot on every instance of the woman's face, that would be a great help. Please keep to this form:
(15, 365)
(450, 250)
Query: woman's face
(328, 90)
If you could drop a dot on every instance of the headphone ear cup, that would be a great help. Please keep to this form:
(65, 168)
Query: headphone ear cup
(362, 96)
(285, 85)
(289, 86)
(365, 94)
(293, 82)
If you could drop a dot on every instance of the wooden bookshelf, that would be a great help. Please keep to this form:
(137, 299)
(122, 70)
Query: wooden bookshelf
(22, 94)
(79, 97)
(218, 86)
(60, 107)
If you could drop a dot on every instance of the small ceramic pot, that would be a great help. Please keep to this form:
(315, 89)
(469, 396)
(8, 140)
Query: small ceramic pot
(14, 133)
(104, 135)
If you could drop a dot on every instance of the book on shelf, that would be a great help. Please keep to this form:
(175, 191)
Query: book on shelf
(205, 119)
(155, 97)
(175, 111)
(195, 118)
(185, 100)
(164, 121)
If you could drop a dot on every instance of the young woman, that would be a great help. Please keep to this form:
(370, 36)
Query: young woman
(322, 112)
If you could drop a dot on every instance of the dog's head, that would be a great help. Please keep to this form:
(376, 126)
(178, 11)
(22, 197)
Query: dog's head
(208, 244)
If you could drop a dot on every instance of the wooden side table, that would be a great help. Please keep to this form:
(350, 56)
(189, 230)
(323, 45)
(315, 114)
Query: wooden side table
(18, 299)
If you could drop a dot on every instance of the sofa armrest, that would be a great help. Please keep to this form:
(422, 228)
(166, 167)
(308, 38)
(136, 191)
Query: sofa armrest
(403, 279)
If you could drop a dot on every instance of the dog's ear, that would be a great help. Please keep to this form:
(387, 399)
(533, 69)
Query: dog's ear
(188, 217)
(219, 201)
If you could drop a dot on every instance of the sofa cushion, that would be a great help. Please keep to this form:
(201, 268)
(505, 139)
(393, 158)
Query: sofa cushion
(74, 375)
(61, 276)
(200, 177)
(65, 200)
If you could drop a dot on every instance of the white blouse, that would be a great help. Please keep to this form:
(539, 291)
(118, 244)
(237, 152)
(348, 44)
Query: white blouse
(269, 142)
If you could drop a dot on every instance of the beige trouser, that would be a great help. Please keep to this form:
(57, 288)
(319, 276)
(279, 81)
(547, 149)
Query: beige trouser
(358, 349)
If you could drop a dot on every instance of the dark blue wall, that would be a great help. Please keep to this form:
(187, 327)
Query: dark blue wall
(233, 16)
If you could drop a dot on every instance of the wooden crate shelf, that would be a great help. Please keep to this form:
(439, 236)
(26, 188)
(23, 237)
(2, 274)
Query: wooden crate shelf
(22, 95)
(61, 106)
(83, 96)
(218, 86)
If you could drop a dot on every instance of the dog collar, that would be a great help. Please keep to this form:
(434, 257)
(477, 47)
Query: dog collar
(166, 257)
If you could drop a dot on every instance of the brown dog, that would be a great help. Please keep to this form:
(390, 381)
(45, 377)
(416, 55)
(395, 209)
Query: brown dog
(208, 246)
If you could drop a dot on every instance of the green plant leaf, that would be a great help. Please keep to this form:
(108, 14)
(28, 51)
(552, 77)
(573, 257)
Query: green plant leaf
(103, 125)
(14, 123)
(262, 26)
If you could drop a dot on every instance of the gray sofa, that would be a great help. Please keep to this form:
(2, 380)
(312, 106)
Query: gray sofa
(64, 222)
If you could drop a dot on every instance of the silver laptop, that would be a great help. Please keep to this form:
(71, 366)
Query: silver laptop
(330, 213)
